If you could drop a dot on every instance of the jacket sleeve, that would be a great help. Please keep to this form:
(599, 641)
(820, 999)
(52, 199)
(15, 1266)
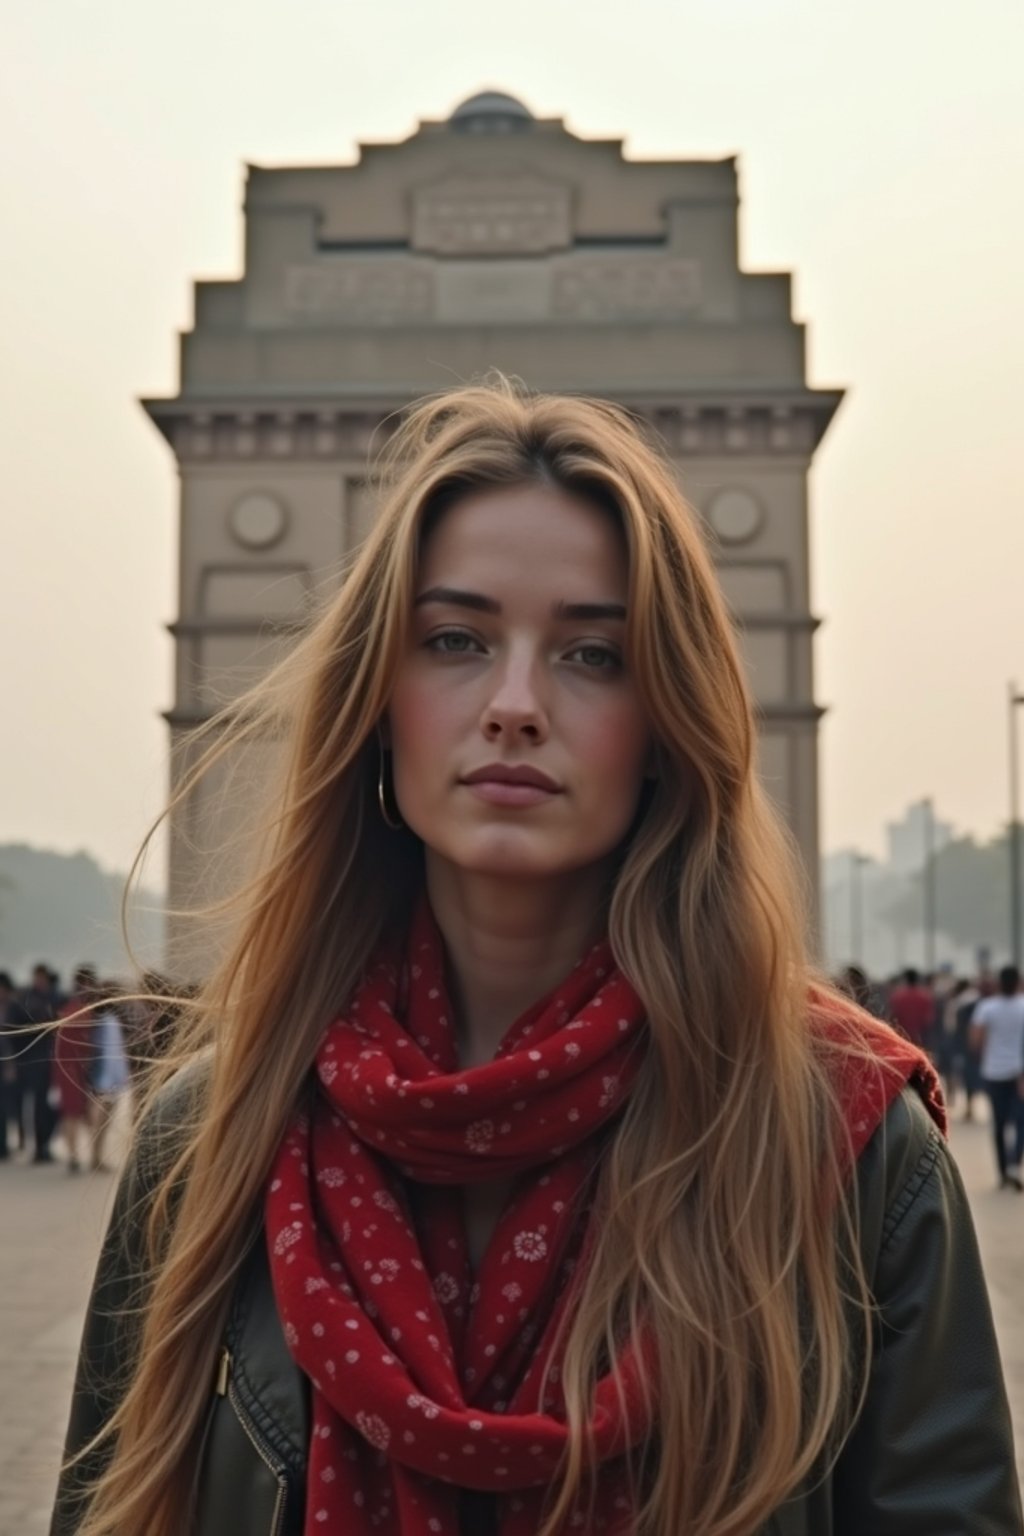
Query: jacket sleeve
(113, 1319)
(932, 1451)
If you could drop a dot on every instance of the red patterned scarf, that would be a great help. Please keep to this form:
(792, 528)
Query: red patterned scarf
(428, 1379)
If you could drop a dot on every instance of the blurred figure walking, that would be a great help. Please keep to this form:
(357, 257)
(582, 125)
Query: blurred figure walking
(856, 983)
(8, 1065)
(33, 1059)
(997, 1026)
(965, 1049)
(957, 1058)
(912, 1009)
(111, 1076)
(73, 1061)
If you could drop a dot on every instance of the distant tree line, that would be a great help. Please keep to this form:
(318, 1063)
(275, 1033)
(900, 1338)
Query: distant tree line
(972, 893)
(65, 909)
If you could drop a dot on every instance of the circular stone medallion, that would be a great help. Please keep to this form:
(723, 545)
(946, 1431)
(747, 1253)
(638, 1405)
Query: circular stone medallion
(257, 519)
(735, 516)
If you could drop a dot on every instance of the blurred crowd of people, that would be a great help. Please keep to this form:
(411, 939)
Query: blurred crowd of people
(67, 1058)
(973, 1030)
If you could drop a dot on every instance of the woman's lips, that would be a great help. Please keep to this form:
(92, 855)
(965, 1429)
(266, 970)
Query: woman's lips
(504, 792)
(510, 784)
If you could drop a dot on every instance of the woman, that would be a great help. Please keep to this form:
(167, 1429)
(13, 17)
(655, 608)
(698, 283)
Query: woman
(513, 1190)
(74, 1058)
(111, 1075)
(997, 1034)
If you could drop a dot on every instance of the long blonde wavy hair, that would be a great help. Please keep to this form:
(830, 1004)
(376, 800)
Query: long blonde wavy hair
(722, 1221)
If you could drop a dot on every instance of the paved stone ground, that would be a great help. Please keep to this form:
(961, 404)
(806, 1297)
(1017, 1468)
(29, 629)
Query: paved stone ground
(53, 1223)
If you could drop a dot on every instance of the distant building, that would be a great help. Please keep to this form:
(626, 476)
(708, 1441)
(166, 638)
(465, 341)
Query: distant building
(491, 240)
(865, 902)
(910, 839)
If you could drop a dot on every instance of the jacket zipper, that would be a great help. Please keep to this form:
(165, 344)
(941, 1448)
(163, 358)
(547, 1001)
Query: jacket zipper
(223, 1373)
(225, 1388)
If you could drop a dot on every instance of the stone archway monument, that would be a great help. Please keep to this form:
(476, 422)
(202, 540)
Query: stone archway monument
(493, 239)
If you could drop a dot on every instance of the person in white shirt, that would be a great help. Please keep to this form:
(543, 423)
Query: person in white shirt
(111, 1078)
(997, 1028)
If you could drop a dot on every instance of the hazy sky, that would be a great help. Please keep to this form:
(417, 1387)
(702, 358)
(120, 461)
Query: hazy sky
(881, 152)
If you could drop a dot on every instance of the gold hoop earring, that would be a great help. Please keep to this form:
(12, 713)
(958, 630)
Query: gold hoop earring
(396, 826)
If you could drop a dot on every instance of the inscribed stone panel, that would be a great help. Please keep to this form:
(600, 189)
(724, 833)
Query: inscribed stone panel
(266, 592)
(343, 289)
(607, 287)
(752, 587)
(500, 215)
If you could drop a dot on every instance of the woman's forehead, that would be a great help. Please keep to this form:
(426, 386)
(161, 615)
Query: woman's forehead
(539, 533)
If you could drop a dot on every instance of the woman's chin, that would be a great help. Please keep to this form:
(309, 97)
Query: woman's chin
(512, 854)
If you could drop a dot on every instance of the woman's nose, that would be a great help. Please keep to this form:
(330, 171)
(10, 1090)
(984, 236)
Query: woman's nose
(516, 707)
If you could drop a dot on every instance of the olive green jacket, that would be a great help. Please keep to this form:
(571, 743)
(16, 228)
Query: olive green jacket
(931, 1453)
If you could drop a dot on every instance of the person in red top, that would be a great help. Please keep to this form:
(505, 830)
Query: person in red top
(912, 1009)
(72, 1060)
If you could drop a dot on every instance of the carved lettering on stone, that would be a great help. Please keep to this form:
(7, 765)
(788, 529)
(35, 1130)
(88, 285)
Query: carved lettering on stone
(507, 215)
(638, 287)
(359, 290)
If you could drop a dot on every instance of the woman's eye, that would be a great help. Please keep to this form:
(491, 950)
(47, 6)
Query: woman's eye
(601, 658)
(452, 642)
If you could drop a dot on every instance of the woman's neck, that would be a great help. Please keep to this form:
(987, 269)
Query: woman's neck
(508, 943)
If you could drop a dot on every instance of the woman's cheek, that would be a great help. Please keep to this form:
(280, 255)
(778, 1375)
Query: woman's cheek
(416, 719)
(426, 730)
(615, 746)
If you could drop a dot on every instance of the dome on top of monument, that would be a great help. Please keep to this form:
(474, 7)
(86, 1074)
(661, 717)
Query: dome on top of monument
(491, 112)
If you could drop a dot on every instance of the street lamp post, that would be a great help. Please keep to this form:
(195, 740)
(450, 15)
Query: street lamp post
(1014, 701)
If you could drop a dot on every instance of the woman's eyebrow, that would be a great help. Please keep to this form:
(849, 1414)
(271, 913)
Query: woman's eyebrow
(454, 597)
(589, 611)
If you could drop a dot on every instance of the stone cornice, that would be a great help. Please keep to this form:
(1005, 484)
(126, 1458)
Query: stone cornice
(190, 629)
(185, 721)
(185, 629)
(804, 622)
(789, 714)
(765, 714)
(744, 424)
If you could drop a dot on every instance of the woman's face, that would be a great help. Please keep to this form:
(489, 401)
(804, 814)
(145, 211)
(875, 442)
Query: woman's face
(519, 743)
